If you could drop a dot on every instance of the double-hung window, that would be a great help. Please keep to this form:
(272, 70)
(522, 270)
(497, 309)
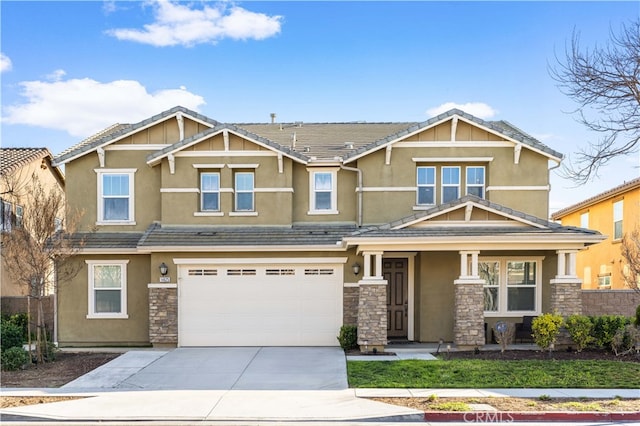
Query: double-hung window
(584, 220)
(323, 192)
(512, 286)
(244, 192)
(19, 216)
(618, 208)
(450, 184)
(475, 181)
(426, 182)
(210, 192)
(107, 289)
(6, 215)
(115, 196)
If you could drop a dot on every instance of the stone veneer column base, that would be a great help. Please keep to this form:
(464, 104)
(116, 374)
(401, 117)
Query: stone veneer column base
(566, 296)
(372, 315)
(468, 328)
(163, 315)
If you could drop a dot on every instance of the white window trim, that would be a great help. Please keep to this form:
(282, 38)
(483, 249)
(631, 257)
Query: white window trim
(418, 186)
(503, 288)
(620, 219)
(474, 185)
(123, 289)
(584, 217)
(131, 173)
(334, 191)
(236, 192)
(203, 192)
(448, 185)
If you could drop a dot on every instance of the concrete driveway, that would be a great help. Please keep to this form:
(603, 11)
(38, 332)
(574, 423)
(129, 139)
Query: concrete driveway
(228, 368)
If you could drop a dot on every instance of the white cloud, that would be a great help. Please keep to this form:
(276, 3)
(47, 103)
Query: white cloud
(82, 107)
(56, 75)
(478, 109)
(179, 24)
(5, 63)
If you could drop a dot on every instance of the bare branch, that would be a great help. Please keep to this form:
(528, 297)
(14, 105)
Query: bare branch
(630, 250)
(605, 84)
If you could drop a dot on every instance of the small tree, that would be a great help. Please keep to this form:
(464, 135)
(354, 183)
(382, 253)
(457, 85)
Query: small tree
(630, 250)
(604, 82)
(37, 252)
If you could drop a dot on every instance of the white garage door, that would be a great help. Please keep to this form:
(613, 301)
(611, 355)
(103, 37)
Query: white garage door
(263, 304)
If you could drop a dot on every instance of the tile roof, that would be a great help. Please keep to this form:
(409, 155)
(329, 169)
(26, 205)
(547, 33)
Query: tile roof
(108, 240)
(627, 186)
(105, 136)
(545, 227)
(306, 141)
(12, 159)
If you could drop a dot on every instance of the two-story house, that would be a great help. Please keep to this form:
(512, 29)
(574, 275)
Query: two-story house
(214, 234)
(613, 213)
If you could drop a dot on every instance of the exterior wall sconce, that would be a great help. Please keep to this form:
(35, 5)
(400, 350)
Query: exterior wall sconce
(356, 268)
(164, 269)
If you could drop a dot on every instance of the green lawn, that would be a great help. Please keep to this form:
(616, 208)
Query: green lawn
(493, 374)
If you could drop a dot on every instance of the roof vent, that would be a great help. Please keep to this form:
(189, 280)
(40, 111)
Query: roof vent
(273, 117)
(348, 145)
(306, 149)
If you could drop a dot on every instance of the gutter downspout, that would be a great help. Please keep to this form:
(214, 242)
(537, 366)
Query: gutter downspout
(359, 189)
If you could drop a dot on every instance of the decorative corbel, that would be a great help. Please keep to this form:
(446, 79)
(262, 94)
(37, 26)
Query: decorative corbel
(454, 127)
(225, 137)
(172, 163)
(516, 153)
(280, 163)
(467, 212)
(180, 120)
(100, 152)
(387, 157)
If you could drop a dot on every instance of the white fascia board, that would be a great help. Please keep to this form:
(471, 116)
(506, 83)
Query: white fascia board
(515, 141)
(243, 249)
(470, 203)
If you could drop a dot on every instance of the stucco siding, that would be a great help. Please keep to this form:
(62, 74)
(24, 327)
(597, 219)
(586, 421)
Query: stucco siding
(437, 273)
(75, 329)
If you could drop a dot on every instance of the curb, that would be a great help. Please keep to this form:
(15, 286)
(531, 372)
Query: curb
(532, 416)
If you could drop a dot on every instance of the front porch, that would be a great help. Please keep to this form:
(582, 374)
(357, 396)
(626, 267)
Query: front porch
(456, 301)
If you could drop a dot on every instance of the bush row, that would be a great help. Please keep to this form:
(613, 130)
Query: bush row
(610, 332)
(12, 336)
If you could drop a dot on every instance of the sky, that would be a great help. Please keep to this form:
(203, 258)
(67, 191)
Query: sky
(71, 69)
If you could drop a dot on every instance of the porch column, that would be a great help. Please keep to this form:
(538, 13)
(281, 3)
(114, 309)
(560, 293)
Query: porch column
(372, 305)
(566, 297)
(468, 326)
(163, 314)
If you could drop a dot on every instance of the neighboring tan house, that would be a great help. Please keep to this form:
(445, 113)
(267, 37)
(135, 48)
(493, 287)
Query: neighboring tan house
(17, 168)
(215, 234)
(613, 213)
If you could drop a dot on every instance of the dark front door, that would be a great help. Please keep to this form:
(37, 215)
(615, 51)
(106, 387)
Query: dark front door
(395, 272)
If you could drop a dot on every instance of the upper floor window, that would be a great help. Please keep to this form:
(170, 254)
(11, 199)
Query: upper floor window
(115, 196)
(617, 219)
(19, 216)
(210, 192)
(475, 181)
(107, 289)
(584, 220)
(6, 215)
(244, 191)
(450, 184)
(323, 192)
(511, 286)
(426, 185)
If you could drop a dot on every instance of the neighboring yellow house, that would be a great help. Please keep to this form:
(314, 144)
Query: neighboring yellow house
(17, 166)
(613, 213)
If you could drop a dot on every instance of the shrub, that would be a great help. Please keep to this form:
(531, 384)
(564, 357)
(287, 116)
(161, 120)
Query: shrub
(626, 339)
(10, 335)
(637, 320)
(580, 327)
(348, 337)
(605, 327)
(546, 329)
(14, 358)
(504, 332)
